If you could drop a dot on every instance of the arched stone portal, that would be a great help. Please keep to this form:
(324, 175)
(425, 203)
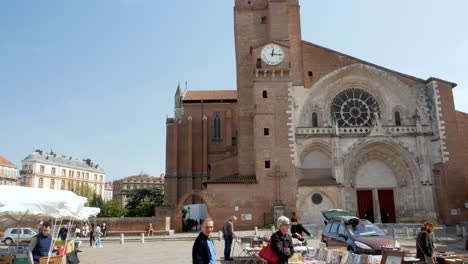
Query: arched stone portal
(381, 175)
(176, 219)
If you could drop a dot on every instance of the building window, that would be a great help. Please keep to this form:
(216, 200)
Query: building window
(311, 74)
(266, 131)
(41, 182)
(87, 176)
(267, 164)
(258, 65)
(265, 94)
(62, 185)
(95, 177)
(52, 184)
(216, 126)
(53, 171)
(42, 169)
(397, 119)
(78, 174)
(101, 177)
(64, 172)
(314, 119)
(354, 107)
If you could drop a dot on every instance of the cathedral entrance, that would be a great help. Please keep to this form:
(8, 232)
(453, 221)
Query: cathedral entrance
(387, 206)
(365, 205)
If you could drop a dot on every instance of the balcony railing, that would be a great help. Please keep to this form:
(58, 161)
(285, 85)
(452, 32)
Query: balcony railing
(392, 130)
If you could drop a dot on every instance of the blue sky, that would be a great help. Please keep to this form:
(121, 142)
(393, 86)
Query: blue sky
(96, 78)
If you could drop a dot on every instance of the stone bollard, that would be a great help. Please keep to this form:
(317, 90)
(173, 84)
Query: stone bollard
(142, 238)
(122, 239)
(255, 231)
(220, 235)
(273, 229)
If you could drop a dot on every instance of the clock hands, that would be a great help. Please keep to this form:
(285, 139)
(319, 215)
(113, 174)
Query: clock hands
(273, 51)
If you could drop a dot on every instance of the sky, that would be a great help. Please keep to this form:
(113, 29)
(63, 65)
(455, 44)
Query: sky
(96, 78)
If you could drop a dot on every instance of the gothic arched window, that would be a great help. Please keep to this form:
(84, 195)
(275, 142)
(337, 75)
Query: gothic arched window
(216, 126)
(314, 119)
(354, 107)
(397, 118)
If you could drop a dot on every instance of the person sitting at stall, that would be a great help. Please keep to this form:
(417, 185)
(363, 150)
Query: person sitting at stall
(40, 244)
(297, 229)
(281, 241)
(425, 243)
(150, 230)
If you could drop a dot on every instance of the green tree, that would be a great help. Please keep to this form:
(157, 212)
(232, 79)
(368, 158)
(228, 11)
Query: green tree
(141, 202)
(96, 201)
(113, 209)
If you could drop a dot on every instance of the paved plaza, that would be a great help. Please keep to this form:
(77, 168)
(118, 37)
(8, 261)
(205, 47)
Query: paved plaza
(178, 249)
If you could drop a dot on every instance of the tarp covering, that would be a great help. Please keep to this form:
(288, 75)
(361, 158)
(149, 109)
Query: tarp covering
(18, 201)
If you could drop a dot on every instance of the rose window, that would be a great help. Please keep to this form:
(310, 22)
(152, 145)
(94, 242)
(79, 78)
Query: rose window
(354, 107)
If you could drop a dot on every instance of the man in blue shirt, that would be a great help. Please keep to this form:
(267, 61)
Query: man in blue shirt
(40, 244)
(204, 251)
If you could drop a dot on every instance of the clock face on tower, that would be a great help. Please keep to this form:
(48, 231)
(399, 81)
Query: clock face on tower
(272, 54)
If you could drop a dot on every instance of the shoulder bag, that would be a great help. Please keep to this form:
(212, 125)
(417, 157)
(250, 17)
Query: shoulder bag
(268, 254)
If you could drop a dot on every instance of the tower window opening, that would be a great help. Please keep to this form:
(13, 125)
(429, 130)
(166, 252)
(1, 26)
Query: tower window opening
(258, 65)
(314, 119)
(267, 164)
(266, 131)
(265, 94)
(397, 118)
(264, 20)
(311, 74)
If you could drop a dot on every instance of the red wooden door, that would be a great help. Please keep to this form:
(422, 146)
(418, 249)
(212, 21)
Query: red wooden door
(387, 206)
(365, 205)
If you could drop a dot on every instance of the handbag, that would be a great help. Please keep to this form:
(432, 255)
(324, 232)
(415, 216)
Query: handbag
(268, 254)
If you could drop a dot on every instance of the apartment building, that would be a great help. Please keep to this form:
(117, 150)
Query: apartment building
(52, 171)
(8, 172)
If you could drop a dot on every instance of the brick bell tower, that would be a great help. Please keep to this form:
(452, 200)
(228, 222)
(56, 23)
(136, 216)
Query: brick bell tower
(269, 65)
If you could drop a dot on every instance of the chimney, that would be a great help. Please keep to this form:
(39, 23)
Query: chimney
(39, 151)
(88, 161)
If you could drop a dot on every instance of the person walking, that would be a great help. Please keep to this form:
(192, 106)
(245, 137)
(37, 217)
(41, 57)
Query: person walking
(104, 230)
(91, 235)
(203, 250)
(228, 234)
(281, 241)
(425, 243)
(97, 237)
(40, 244)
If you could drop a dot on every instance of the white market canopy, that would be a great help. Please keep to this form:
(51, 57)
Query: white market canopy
(16, 202)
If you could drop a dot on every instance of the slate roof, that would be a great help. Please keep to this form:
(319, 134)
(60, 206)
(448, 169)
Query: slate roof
(69, 162)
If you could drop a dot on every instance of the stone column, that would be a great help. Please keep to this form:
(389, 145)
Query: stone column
(376, 205)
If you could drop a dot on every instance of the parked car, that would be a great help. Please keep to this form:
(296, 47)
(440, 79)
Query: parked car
(11, 235)
(357, 235)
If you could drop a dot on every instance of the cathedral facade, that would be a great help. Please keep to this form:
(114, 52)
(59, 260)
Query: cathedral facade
(310, 129)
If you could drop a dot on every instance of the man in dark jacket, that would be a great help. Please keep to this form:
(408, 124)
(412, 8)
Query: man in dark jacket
(228, 233)
(40, 244)
(204, 251)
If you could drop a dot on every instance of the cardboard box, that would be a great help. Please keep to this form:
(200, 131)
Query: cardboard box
(53, 260)
(6, 260)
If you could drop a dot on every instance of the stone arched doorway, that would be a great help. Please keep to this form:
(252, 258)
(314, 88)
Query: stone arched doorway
(381, 175)
(177, 218)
